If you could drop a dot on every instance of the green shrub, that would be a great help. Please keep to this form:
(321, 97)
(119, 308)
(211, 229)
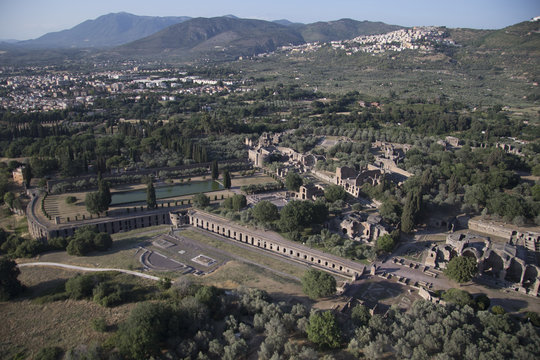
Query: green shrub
(108, 295)
(71, 200)
(533, 317)
(80, 286)
(49, 353)
(317, 284)
(99, 324)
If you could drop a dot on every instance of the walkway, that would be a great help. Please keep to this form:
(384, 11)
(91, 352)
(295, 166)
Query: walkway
(74, 267)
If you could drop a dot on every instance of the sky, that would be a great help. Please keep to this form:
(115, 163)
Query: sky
(28, 19)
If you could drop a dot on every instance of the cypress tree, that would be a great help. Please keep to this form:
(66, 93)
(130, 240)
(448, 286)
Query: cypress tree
(151, 196)
(226, 179)
(215, 170)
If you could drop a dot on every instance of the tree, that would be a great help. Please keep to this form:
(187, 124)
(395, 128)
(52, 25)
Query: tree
(296, 214)
(200, 200)
(385, 243)
(10, 286)
(334, 192)
(360, 315)
(293, 181)
(461, 269)
(226, 179)
(317, 284)
(92, 202)
(140, 336)
(323, 330)
(482, 302)
(408, 214)
(498, 310)
(151, 196)
(215, 170)
(238, 202)
(104, 193)
(99, 201)
(458, 297)
(102, 241)
(265, 212)
(27, 174)
(9, 197)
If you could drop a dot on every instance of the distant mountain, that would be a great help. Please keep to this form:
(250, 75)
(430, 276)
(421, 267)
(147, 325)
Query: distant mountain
(286, 22)
(105, 31)
(224, 36)
(343, 29)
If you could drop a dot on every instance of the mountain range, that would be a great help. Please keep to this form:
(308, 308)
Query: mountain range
(105, 31)
(227, 31)
(228, 37)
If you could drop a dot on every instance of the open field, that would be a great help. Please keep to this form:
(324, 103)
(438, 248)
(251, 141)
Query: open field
(236, 273)
(267, 260)
(14, 222)
(121, 255)
(28, 326)
(258, 178)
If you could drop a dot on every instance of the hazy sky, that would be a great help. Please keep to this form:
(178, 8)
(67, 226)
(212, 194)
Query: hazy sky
(25, 19)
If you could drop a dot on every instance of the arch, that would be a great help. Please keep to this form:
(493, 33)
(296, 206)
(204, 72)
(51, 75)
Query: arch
(514, 272)
(494, 264)
(470, 252)
(530, 276)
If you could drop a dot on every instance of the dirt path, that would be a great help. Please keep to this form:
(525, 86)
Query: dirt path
(74, 267)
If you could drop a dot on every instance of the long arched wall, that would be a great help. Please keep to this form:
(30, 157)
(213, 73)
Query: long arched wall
(281, 247)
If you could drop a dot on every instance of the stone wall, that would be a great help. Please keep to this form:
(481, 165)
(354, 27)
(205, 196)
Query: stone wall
(268, 241)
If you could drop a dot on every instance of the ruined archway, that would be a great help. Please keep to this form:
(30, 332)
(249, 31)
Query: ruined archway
(493, 265)
(514, 272)
(531, 274)
(469, 252)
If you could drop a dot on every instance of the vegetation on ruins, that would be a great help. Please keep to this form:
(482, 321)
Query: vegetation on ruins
(385, 243)
(201, 201)
(99, 201)
(317, 284)
(265, 212)
(237, 202)
(461, 268)
(334, 193)
(293, 181)
(85, 240)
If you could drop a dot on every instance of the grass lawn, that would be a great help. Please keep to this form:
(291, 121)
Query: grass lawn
(258, 178)
(122, 255)
(236, 273)
(254, 255)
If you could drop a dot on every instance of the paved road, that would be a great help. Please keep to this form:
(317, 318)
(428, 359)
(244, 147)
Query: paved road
(74, 267)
